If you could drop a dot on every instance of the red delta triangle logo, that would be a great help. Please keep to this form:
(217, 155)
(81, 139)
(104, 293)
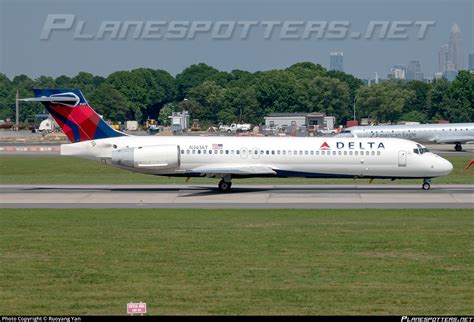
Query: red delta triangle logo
(324, 146)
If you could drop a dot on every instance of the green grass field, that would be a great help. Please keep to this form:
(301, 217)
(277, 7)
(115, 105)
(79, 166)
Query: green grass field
(67, 170)
(237, 262)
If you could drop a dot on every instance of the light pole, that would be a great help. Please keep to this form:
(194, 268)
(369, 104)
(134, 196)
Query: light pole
(354, 108)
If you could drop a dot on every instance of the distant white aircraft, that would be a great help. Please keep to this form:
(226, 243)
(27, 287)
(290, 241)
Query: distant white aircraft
(236, 157)
(455, 133)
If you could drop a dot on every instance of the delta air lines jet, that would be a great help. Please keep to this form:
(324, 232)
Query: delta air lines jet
(230, 158)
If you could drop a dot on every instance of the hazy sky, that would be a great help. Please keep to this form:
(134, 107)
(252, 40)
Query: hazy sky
(23, 52)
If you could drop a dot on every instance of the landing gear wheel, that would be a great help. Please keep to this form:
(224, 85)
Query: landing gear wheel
(224, 186)
(426, 186)
(458, 147)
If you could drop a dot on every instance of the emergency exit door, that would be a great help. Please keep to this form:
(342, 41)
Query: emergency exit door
(402, 158)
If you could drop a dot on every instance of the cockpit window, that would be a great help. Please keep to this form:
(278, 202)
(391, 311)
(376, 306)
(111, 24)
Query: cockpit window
(420, 149)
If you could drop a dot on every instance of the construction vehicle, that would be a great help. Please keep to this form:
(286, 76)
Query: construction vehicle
(196, 126)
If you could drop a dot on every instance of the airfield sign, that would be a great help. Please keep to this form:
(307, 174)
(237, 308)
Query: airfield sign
(136, 308)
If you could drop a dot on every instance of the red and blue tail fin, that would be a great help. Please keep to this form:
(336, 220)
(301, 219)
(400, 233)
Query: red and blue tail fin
(73, 114)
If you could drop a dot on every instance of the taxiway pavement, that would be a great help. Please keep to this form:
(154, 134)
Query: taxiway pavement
(241, 196)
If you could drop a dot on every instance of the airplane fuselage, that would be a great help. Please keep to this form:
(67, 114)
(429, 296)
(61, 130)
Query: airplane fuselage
(264, 156)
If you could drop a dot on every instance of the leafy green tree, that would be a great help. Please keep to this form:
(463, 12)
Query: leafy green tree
(7, 109)
(165, 112)
(148, 90)
(419, 103)
(110, 103)
(383, 102)
(461, 91)
(85, 82)
(278, 91)
(437, 96)
(193, 76)
(211, 97)
(331, 96)
(63, 81)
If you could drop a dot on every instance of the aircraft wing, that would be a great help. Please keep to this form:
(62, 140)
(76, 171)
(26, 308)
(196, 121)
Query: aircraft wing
(246, 170)
(451, 139)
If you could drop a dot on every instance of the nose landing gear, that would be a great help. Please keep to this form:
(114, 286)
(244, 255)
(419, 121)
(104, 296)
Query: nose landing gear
(458, 147)
(426, 184)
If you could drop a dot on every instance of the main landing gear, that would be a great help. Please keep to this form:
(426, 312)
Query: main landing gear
(458, 147)
(225, 184)
(426, 184)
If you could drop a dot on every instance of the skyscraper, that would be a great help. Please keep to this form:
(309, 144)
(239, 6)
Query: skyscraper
(456, 50)
(414, 71)
(451, 55)
(443, 57)
(337, 61)
(398, 72)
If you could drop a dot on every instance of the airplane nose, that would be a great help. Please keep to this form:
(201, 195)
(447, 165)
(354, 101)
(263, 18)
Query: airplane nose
(443, 167)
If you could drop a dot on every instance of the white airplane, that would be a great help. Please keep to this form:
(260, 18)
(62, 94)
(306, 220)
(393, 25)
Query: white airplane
(455, 133)
(235, 157)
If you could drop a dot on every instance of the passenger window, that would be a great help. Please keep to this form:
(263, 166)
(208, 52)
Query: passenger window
(312, 152)
(373, 152)
(306, 152)
(273, 152)
(284, 152)
(356, 152)
(367, 152)
(317, 152)
(254, 152)
(345, 152)
(182, 151)
(350, 152)
(278, 152)
(238, 152)
(333, 152)
(199, 151)
(378, 152)
(226, 151)
(231, 151)
(339, 152)
(301, 152)
(222, 152)
(268, 152)
(187, 151)
(194, 151)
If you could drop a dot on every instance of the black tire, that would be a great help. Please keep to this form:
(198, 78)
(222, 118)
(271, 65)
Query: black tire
(458, 147)
(224, 186)
(426, 186)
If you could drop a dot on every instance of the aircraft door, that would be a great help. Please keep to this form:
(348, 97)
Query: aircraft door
(244, 152)
(402, 158)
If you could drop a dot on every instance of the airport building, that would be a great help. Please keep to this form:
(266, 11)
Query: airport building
(284, 120)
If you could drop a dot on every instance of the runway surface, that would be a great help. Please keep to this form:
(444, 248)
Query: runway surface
(241, 196)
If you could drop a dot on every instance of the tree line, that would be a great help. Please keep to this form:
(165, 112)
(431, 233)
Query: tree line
(214, 96)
